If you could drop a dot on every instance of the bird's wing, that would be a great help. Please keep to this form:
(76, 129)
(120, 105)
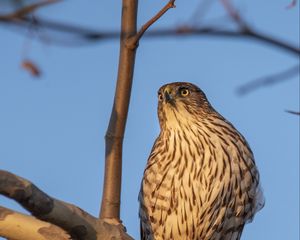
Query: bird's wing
(142, 233)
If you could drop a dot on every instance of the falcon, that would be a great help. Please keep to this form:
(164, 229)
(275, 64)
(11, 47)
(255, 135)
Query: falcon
(200, 181)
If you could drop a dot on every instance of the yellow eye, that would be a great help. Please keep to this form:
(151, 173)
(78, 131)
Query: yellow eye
(160, 96)
(184, 92)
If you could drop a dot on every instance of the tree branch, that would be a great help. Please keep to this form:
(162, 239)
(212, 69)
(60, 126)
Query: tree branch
(268, 80)
(90, 35)
(14, 225)
(233, 13)
(134, 40)
(292, 4)
(30, 8)
(246, 30)
(293, 112)
(187, 31)
(110, 207)
(79, 224)
(69, 217)
(267, 39)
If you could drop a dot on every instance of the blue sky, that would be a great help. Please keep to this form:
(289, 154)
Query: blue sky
(52, 129)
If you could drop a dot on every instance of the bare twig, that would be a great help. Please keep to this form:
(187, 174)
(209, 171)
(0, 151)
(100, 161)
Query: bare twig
(135, 39)
(246, 30)
(200, 11)
(15, 225)
(30, 8)
(292, 4)
(268, 80)
(293, 112)
(186, 31)
(270, 40)
(233, 13)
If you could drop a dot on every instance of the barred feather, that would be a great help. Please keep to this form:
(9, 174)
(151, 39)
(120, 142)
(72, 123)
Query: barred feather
(200, 181)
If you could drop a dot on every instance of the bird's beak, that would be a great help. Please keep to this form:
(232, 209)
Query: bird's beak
(168, 97)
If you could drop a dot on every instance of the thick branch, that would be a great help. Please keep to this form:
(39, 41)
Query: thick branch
(69, 217)
(14, 225)
(79, 224)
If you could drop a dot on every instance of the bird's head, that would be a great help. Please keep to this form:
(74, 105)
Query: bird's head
(181, 103)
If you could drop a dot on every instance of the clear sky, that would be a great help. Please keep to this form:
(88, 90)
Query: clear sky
(52, 129)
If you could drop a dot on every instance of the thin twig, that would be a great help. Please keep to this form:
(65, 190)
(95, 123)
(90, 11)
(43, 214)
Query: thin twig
(200, 11)
(246, 30)
(251, 33)
(233, 13)
(292, 4)
(268, 80)
(140, 33)
(30, 8)
(187, 31)
(95, 36)
(293, 112)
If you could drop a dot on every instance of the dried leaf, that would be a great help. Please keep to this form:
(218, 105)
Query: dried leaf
(31, 67)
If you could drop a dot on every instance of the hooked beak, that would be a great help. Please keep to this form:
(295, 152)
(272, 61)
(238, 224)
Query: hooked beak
(168, 97)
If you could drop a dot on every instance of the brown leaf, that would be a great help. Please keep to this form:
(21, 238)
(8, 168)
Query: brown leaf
(31, 67)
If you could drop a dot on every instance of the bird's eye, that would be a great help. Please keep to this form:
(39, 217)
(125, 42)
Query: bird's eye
(184, 92)
(160, 96)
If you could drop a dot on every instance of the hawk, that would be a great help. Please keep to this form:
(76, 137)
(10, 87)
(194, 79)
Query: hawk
(201, 181)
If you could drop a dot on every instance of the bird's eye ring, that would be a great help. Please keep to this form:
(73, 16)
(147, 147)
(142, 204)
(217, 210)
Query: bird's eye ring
(184, 92)
(160, 96)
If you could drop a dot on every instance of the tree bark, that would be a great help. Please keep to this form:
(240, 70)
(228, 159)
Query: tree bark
(52, 212)
(14, 225)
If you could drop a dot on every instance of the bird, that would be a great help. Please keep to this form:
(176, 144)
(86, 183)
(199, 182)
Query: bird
(200, 181)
